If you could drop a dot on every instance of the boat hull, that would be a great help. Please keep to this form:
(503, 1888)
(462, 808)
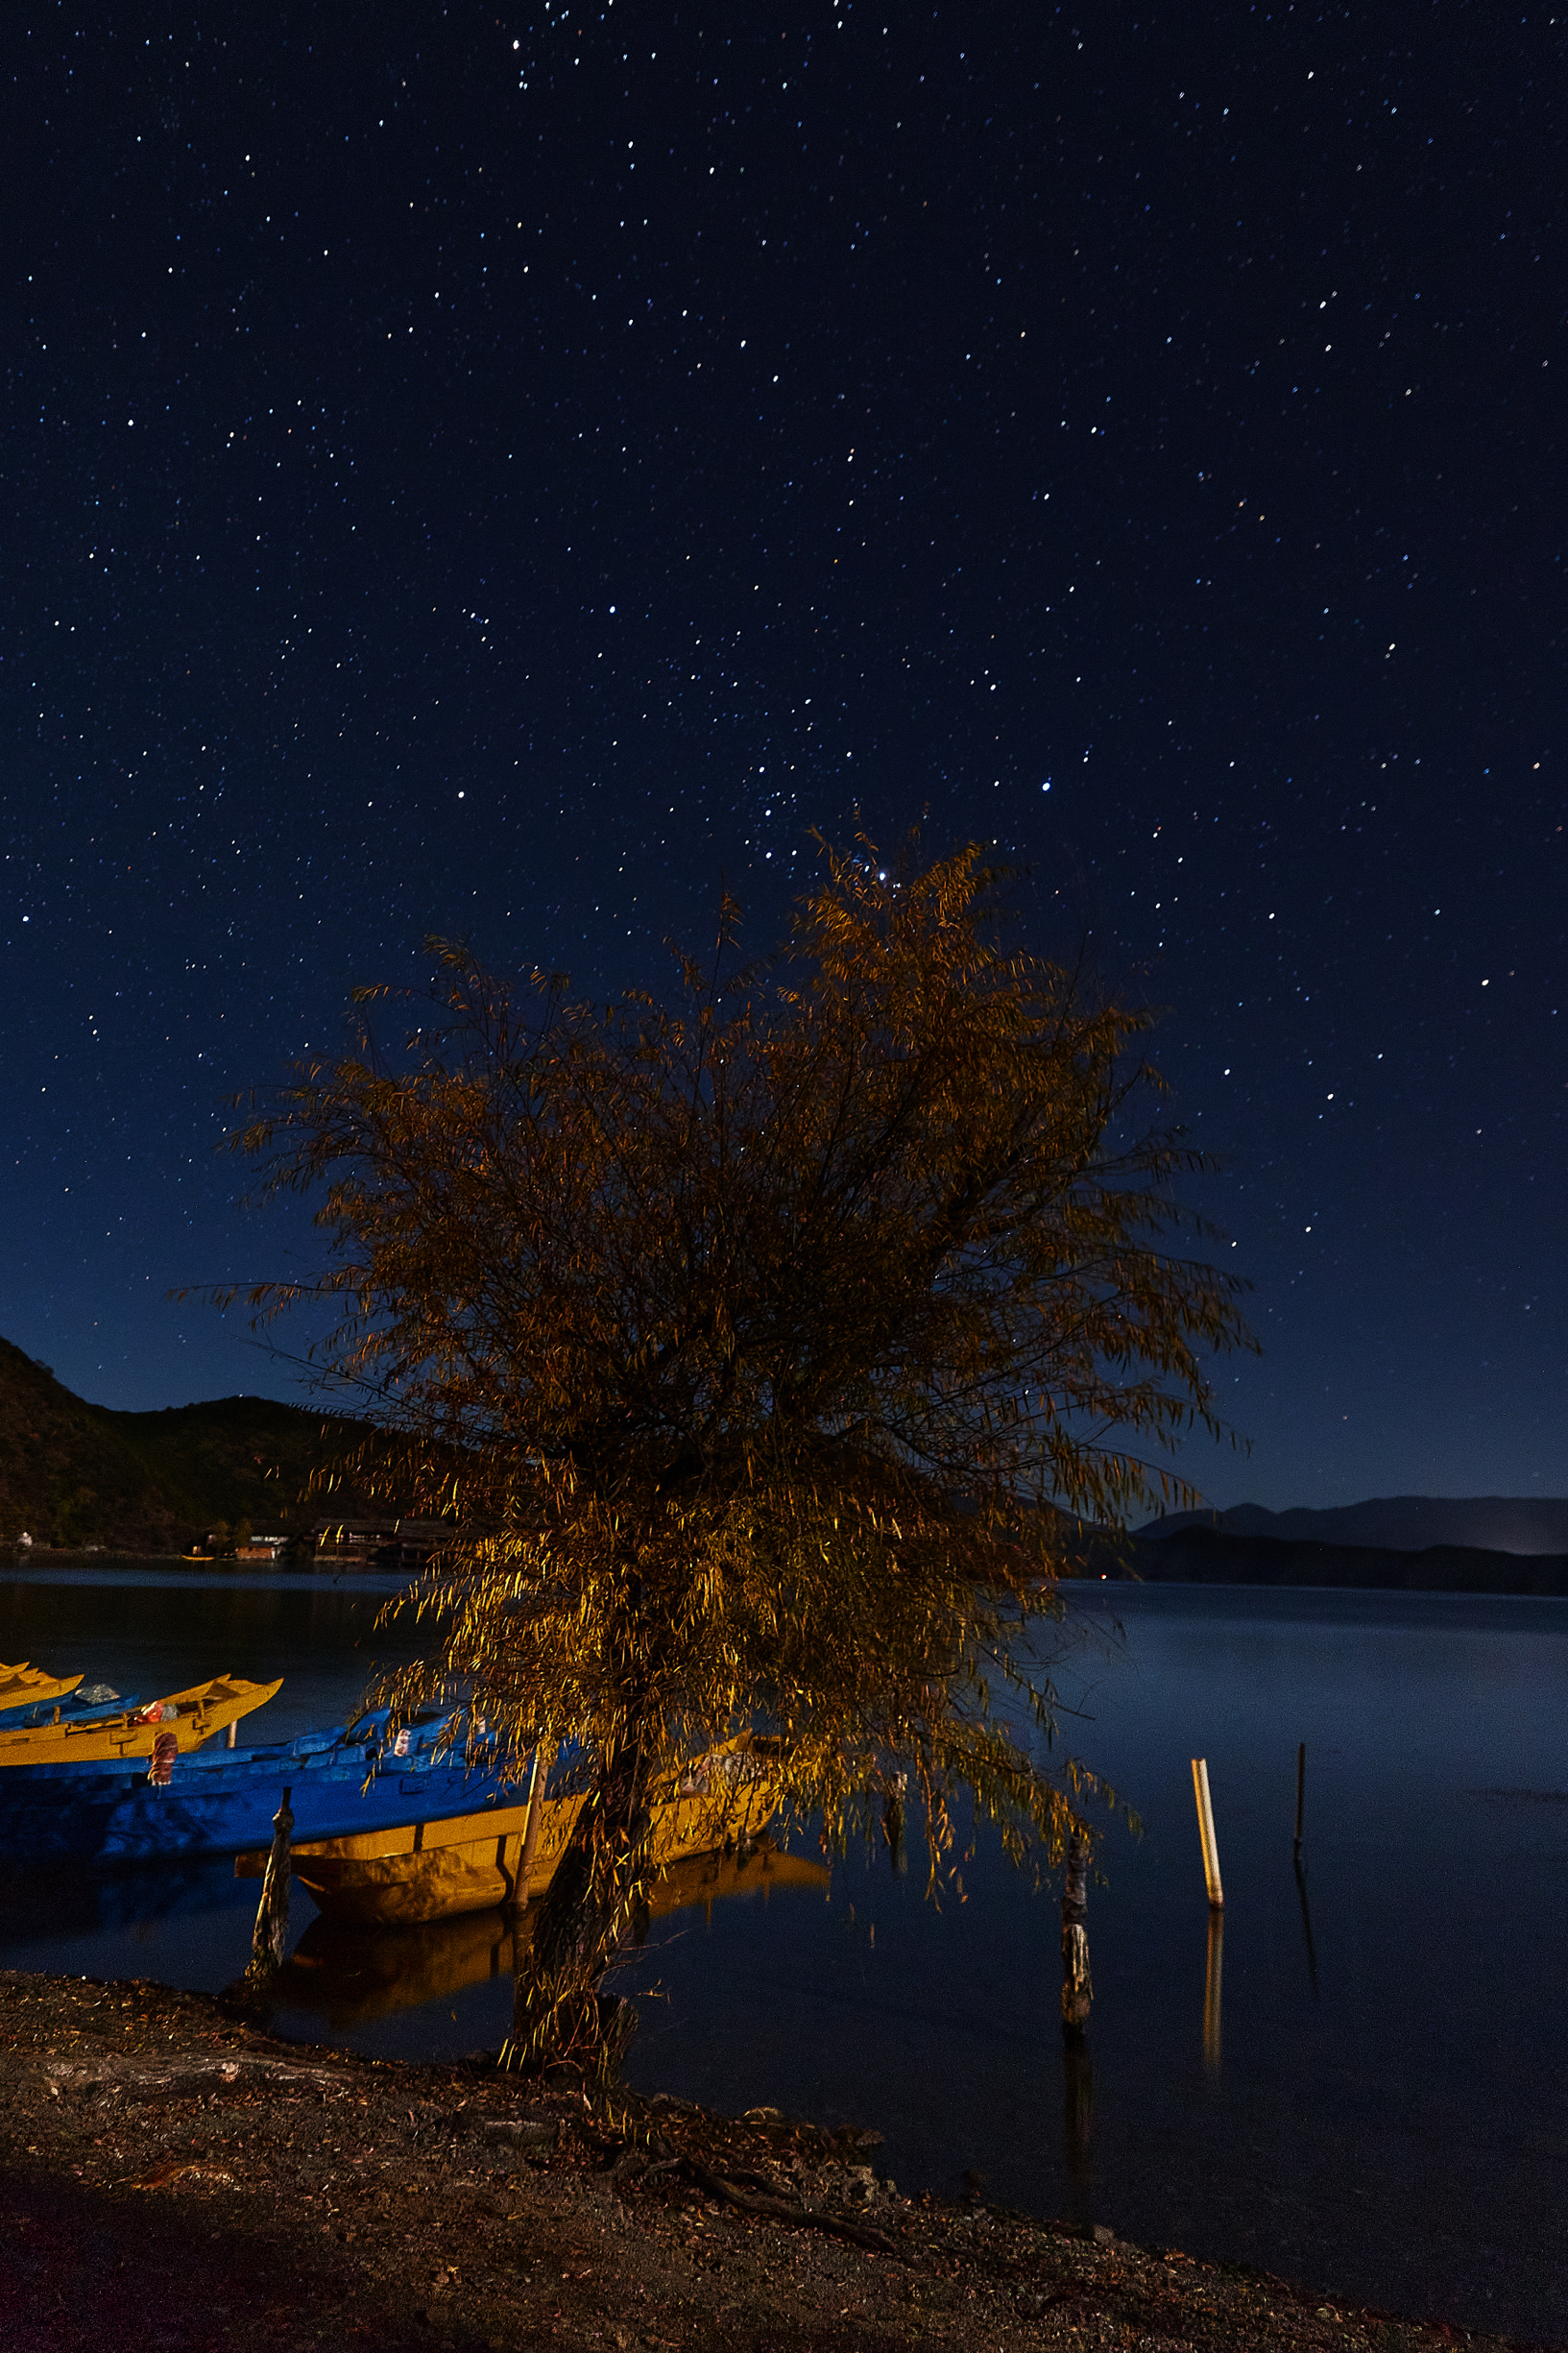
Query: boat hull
(411, 1883)
(470, 1862)
(126, 1819)
(218, 1801)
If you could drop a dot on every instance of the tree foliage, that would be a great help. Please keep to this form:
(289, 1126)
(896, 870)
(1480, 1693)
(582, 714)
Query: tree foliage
(764, 1347)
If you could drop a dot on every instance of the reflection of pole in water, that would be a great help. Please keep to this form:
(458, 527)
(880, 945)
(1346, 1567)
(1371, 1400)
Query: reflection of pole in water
(893, 1819)
(1077, 2120)
(1078, 1993)
(1211, 1987)
(1307, 1925)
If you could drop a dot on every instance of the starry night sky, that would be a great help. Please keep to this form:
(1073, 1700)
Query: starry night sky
(515, 475)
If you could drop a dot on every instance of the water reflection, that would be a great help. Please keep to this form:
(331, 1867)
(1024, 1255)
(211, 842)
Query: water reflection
(70, 1900)
(1078, 2121)
(893, 1822)
(350, 1976)
(1211, 1989)
(1306, 1925)
(1351, 2141)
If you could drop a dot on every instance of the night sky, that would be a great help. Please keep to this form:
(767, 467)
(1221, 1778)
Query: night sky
(514, 476)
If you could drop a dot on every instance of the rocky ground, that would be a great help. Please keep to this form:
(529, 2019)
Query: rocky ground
(172, 2179)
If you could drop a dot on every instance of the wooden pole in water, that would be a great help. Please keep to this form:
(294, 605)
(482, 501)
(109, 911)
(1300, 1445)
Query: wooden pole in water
(1078, 1992)
(1300, 1790)
(271, 1920)
(1205, 1825)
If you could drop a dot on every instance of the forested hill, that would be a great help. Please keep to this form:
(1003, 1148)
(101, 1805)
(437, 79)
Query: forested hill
(77, 1474)
(1212, 1556)
(1393, 1523)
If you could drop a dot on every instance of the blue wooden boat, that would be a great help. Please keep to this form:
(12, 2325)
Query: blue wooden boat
(219, 1800)
(362, 1742)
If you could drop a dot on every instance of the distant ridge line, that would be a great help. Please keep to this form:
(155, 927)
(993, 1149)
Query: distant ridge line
(1210, 1556)
(76, 1476)
(1390, 1523)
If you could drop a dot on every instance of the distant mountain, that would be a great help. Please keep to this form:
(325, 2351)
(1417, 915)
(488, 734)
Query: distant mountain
(76, 1474)
(1207, 1556)
(1393, 1523)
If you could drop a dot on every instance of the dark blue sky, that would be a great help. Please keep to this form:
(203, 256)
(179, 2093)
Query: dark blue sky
(508, 474)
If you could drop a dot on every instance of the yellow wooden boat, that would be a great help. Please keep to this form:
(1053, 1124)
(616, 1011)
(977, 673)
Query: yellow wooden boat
(187, 1717)
(351, 1974)
(469, 1862)
(29, 1686)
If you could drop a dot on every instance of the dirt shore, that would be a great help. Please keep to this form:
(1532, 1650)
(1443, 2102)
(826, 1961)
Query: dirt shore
(172, 2178)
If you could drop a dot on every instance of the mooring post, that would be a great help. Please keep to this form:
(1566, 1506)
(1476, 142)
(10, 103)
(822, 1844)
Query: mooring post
(1078, 1992)
(271, 1920)
(1205, 1827)
(1300, 1790)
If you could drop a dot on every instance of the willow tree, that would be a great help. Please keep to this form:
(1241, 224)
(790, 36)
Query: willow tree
(764, 1347)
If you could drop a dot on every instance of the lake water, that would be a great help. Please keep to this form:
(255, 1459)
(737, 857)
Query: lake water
(1362, 2090)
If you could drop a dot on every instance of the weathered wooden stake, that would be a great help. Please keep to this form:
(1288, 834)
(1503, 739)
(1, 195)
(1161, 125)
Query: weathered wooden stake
(1078, 1992)
(1300, 1789)
(1205, 1826)
(271, 1920)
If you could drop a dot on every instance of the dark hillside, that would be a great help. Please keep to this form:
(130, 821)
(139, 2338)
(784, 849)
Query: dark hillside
(77, 1474)
(1208, 1556)
(1394, 1523)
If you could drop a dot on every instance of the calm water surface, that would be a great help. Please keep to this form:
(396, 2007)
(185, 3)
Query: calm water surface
(1363, 2088)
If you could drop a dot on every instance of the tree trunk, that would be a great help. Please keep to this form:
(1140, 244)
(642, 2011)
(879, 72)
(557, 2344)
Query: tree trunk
(586, 1913)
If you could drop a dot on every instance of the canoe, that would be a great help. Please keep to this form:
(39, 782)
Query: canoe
(29, 1686)
(367, 1738)
(468, 1862)
(184, 1717)
(218, 1801)
(350, 1975)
